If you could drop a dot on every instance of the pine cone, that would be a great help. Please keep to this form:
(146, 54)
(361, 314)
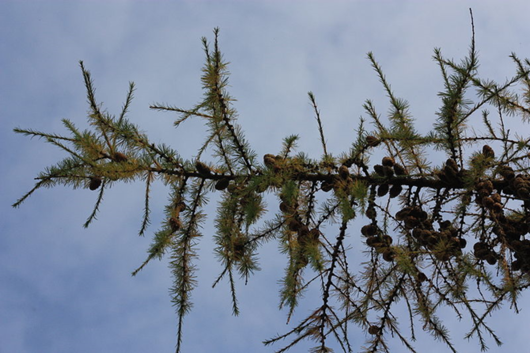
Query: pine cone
(222, 184)
(203, 169)
(373, 330)
(399, 170)
(372, 141)
(95, 183)
(387, 161)
(488, 152)
(175, 224)
(344, 173)
(119, 157)
(395, 190)
(269, 160)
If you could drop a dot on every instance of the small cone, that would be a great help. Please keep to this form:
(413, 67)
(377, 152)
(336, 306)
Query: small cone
(488, 152)
(387, 161)
(203, 169)
(179, 207)
(399, 170)
(372, 141)
(119, 157)
(222, 184)
(269, 160)
(95, 183)
(395, 190)
(175, 224)
(379, 169)
(382, 190)
(344, 172)
(373, 330)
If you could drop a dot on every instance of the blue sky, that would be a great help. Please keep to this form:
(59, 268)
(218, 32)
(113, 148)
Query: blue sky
(64, 288)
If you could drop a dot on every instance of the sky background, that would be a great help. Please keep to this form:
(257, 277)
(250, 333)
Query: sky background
(64, 288)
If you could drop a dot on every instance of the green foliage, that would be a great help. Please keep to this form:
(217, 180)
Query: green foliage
(430, 230)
